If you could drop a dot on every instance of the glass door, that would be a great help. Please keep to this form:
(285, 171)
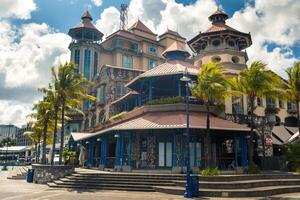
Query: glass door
(165, 154)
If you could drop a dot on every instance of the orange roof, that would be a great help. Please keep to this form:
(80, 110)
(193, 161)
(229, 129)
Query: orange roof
(171, 120)
(220, 27)
(176, 46)
(141, 26)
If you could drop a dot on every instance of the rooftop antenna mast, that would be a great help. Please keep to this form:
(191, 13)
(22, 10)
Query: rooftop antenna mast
(124, 17)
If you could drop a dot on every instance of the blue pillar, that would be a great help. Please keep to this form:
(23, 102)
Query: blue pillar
(118, 147)
(150, 90)
(174, 163)
(129, 150)
(179, 87)
(195, 151)
(181, 149)
(122, 150)
(244, 153)
(91, 156)
(236, 148)
(103, 150)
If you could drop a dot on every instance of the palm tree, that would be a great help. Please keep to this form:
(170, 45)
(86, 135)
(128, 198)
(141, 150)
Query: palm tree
(71, 88)
(255, 82)
(292, 87)
(211, 88)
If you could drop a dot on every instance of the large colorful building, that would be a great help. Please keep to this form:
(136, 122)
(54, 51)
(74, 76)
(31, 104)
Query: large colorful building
(139, 118)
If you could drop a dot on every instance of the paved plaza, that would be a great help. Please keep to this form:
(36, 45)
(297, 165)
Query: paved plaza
(21, 190)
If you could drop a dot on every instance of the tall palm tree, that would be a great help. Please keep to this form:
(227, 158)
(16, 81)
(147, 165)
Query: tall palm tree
(292, 87)
(255, 82)
(211, 88)
(71, 88)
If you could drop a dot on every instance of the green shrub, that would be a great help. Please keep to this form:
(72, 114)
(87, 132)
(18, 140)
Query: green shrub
(213, 171)
(67, 154)
(166, 100)
(252, 169)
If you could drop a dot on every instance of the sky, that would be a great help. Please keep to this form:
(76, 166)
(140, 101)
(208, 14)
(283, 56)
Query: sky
(33, 36)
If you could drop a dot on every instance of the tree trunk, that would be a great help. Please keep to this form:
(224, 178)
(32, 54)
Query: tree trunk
(55, 133)
(208, 138)
(39, 150)
(36, 154)
(44, 161)
(62, 131)
(250, 143)
(298, 116)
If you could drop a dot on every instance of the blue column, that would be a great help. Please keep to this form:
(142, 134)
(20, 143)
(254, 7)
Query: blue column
(179, 87)
(103, 150)
(174, 163)
(243, 145)
(118, 147)
(122, 149)
(129, 150)
(91, 156)
(150, 90)
(181, 149)
(235, 148)
(195, 151)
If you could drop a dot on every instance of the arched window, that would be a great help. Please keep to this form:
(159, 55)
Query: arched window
(216, 42)
(95, 63)
(86, 124)
(101, 117)
(93, 121)
(77, 58)
(87, 62)
(237, 105)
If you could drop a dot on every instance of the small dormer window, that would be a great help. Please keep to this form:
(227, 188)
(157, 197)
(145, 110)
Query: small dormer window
(231, 43)
(216, 59)
(216, 42)
(152, 50)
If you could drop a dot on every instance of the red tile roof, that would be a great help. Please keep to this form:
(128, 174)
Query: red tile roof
(141, 26)
(176, 46)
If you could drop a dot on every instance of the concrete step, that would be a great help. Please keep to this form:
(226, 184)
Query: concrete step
(252, 192)
(97, 180)
(243, 184)
(100, 187)
(115, 182)
(122, 179)
(118, 176)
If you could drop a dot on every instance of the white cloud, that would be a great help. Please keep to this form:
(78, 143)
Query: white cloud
(17, 8)
(109, 21)
(97, 2)
(14, 112)
(275, 22)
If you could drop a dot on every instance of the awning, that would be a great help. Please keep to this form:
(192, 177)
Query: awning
(171, 120)
(282, 133)
(80, 136)
(294, 137)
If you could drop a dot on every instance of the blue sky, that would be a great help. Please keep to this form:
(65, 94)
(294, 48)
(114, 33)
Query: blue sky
(61, 14)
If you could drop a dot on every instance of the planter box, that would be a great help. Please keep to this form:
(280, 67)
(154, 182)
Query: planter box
(46, 173)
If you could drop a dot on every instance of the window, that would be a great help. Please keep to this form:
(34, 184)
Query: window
(93, 121)
(127, 61)
(281, 104)
(85, 105)
(101, 94)
(120, 89)
(237, 105)
(95, 63)
(203, 46)
(216, 42)
(235, 59)
(152, 50)
(87, 61)
(118, 42)
(151, 64)
(216, 59)
(231, 43)
(259, 102)
(77, 58)
(291, 106)
(270, 102)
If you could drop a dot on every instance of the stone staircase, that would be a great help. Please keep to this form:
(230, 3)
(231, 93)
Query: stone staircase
(240, 185)
(218, 186)
(116, 181)
(19, 173)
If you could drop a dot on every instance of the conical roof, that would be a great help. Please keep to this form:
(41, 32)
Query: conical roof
(86, 15)
(218, 14)
(141, 26)
(176, 47)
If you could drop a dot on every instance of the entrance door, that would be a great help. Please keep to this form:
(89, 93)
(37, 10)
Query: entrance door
(165, 154)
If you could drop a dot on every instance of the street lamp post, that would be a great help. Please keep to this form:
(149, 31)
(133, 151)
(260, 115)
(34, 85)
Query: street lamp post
(188, 187)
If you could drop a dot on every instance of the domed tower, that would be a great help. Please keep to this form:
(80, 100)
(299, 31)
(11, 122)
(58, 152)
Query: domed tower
(85, 46)
(221, 43)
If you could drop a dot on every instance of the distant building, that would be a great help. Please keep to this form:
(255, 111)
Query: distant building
(8, 130)
(21, 139)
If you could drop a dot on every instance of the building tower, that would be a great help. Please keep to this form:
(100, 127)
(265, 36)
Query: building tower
(124, 17)
(221, 43)
(85, 46)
